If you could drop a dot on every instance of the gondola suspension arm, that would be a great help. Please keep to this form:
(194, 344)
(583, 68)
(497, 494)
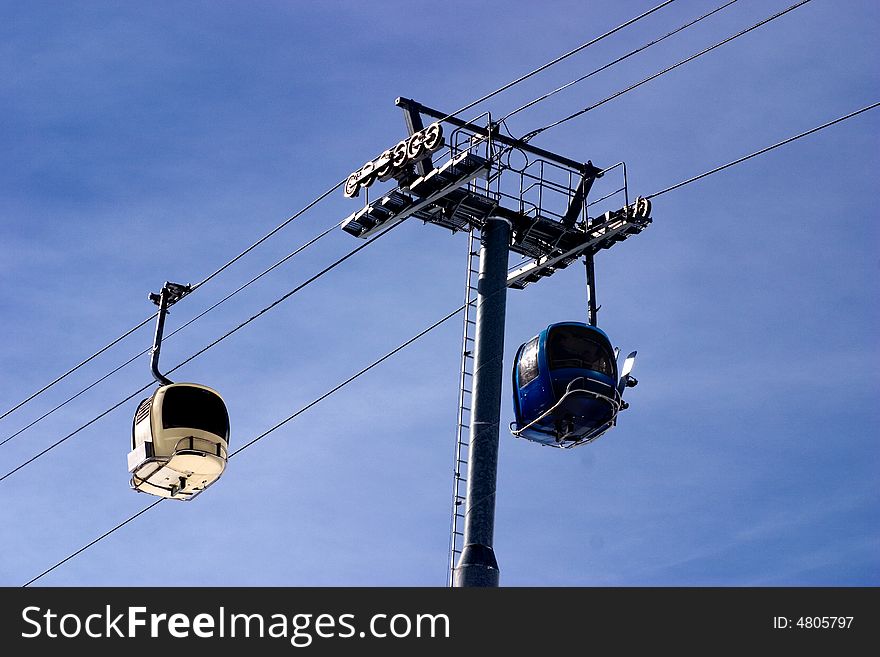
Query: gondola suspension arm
(592, 308)
(171, 293)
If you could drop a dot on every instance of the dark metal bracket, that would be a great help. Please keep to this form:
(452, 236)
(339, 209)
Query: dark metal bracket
(411, 106)
(414, 124)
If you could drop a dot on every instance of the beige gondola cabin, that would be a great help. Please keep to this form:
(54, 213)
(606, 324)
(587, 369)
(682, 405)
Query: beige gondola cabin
(180, 441)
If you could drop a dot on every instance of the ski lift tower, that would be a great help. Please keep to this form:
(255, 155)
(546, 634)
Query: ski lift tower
(518, 198)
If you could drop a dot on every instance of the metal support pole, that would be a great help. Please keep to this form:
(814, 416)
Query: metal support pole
(477, 565)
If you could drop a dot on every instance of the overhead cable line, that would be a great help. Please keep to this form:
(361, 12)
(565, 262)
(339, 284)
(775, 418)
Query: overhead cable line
(363, 371)
(763, 150)
(655, 194)
(76, 367)
(270, 234)
(183, 326)
(435, 325)
(93, 542)
(72, 397)
(283, 298)
(616, 61)
(75, 431)
(272, 305)
(553, 62)
(194, 287)
(277, 426)
(470, 105)
(534, 133)
(180, 328)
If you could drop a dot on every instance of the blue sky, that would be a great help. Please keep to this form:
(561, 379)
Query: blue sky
(151, 142)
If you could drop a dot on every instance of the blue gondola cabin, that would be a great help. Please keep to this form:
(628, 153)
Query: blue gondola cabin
(566, 388)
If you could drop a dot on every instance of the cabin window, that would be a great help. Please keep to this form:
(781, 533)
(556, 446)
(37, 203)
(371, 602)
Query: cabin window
(576, 347)
(197, 408)
(528, 363)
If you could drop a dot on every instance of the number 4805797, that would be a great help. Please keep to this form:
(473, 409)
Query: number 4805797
(824, 622)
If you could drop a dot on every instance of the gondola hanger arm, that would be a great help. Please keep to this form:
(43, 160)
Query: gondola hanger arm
(170, 294)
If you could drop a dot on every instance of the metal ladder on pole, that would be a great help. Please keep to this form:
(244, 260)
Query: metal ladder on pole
(465, 392)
